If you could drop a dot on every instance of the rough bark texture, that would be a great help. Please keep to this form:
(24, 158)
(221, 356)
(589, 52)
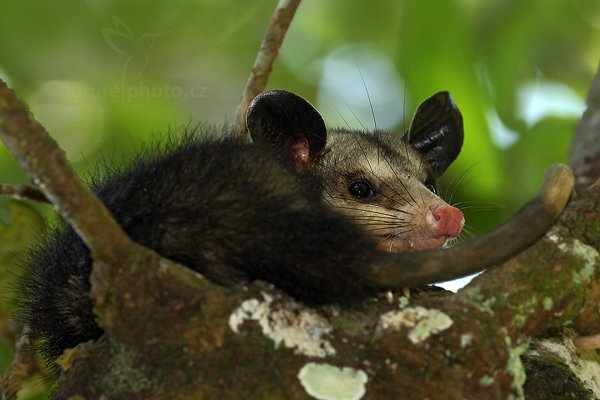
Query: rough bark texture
(584, 158)
(557, 370)
(169, 333)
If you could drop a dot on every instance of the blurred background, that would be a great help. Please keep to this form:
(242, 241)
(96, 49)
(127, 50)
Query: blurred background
(104, 76)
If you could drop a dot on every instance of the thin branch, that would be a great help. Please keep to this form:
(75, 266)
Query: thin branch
(590, 342)
(21, 192)
(269, 49)
(46, 165)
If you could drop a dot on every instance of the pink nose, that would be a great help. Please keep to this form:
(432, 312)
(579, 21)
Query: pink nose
(448, 221)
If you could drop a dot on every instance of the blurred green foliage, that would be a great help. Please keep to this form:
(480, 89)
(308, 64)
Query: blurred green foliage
(104, 75)
(24, 225)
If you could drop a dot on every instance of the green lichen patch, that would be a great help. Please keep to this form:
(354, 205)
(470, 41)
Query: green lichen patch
(514, 365)
(422, 322)
(328, 382)
(466, 339)
(290, 324)
(587, 254)
(474, 296)
(403, 302)
(524, 310)
(548, 303)
(486, 380)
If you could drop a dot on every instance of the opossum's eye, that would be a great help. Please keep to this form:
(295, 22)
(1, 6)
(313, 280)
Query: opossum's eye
(361, 188)
(430, 184)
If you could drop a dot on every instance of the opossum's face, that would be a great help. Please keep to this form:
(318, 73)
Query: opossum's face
(385, 183)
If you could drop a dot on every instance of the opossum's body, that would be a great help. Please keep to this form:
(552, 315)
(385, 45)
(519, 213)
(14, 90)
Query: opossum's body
(287, 209)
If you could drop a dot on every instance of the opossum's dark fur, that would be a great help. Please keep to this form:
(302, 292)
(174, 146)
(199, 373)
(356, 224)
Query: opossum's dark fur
(237, 205)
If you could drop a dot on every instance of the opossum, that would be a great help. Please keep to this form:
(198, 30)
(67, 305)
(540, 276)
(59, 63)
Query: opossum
(306, 209)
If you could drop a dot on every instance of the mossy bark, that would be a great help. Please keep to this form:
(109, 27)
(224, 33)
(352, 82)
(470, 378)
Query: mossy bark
(169, 336)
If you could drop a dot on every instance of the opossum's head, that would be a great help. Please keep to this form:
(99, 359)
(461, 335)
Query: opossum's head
(385, 183)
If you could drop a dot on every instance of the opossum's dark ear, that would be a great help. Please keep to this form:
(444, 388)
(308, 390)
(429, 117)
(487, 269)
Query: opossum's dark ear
(287, 120)
(436, 131)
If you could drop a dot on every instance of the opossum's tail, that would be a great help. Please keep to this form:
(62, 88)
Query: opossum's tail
(468, 257)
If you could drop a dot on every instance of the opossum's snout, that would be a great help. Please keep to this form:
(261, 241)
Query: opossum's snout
(428, 227)
(445, 221)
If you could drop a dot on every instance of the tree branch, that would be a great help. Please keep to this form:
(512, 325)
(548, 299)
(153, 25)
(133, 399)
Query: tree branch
(21, 192)
(584, 157)
(245, 344)
(46, 165)
(269, 49)
(588, 342)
